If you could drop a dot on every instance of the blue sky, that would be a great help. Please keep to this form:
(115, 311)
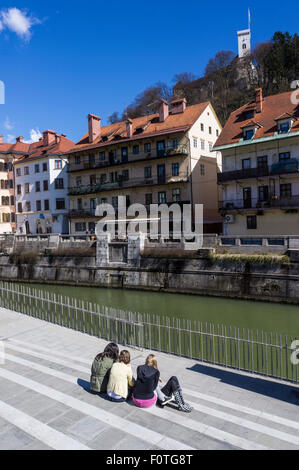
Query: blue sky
(74, 58)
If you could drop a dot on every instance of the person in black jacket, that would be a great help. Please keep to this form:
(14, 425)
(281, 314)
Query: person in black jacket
(147, 389)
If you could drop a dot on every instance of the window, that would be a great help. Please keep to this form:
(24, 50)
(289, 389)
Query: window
(77, 160)
(202, 170)
(148, 172)
(251, 222)
(286, 190)
(284, 156)
(10, 184)
(125, 175)
(176, 195)
(210, 130)
(38, 206)
(217, 133)
(102, 156)
(91, 227)
(60, 204)
(246, 164)
(37, 186)
(79, 204)
(147, 148)
(92, 159)
(248, 134)
(5, 201)
(115, 202)
(45, 166)
(124, 154)
(194, 142)
(162, 197)
(20, 208)
(175, 169)
(92, 180)
(13, 217)
(27, 188)
(262, 162)
(284, 127)
(80, 226)
(18, 171)
(59, 183)
(136, 149)
(148, 199)
(12, 200)
(173, 144)
(103, 200)
(202, 144)
(5, 218)
(263, 193)
(46, 205)
(36, 168)
(28, 206)
(78, 181)
(103, 178)
(46, 185)
(161, 148)
(210, 146)
(58, 164)
(26, 170)
(202, 128)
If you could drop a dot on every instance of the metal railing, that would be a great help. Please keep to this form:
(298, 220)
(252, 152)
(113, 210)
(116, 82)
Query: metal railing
(124, 182)
(232, 347)
(287, 166)
(256, 203)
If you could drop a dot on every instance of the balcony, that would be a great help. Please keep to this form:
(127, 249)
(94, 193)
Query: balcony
(287, 166)
(274, 202)
(80, 213)
(128, 183)
(131, 158)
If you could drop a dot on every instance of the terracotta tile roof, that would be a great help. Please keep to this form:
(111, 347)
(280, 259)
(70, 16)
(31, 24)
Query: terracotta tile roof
(38, 149)
(273, 106)
(145, 126)
(14, 148)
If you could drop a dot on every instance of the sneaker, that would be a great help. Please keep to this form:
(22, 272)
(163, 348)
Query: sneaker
(166, 400)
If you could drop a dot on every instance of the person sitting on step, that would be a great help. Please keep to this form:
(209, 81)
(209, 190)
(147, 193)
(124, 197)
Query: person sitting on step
(147, 388)
(101, 367)
(121, 377)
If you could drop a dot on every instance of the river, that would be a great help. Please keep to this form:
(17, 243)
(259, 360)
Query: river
(253, 315)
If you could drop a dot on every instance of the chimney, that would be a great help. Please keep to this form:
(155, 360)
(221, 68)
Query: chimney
(94, 128)
(259, 100)
(49, 137)
(1, 139)
(19, 140)
(57, 139)
(63, 135)
(178, 106)
(129, 126)
(163, 111)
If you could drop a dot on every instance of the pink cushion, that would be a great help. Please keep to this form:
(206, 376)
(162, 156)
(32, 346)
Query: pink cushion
(144, 403)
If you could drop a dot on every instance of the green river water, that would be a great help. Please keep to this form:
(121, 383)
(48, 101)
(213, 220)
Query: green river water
(252, 315)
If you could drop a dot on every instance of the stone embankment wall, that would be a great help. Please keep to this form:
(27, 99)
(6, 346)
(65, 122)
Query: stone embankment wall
(200, 275)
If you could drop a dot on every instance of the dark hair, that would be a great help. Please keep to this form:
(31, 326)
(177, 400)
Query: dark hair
(125, 357)
(111, 351)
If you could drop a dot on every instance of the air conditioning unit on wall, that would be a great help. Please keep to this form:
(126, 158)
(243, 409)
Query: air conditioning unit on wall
(229, 219)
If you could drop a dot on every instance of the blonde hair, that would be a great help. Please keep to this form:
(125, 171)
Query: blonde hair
(151, 361)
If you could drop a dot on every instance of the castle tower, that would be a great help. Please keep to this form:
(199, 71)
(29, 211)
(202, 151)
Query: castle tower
(244, 40)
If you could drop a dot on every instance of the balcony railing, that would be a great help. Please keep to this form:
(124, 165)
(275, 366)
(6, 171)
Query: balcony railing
(288, 166)
(128, 183)
(279, 202)
(181, 149)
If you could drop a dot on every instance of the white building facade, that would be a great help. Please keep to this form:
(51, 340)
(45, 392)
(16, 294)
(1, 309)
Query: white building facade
(41, 189)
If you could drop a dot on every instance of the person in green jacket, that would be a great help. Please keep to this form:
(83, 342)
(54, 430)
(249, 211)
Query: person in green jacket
(101, 367)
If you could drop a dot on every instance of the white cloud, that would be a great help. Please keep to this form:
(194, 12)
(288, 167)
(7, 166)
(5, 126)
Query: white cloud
(10, 138)
(35, 135)
(8, 124)
(18, 22)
